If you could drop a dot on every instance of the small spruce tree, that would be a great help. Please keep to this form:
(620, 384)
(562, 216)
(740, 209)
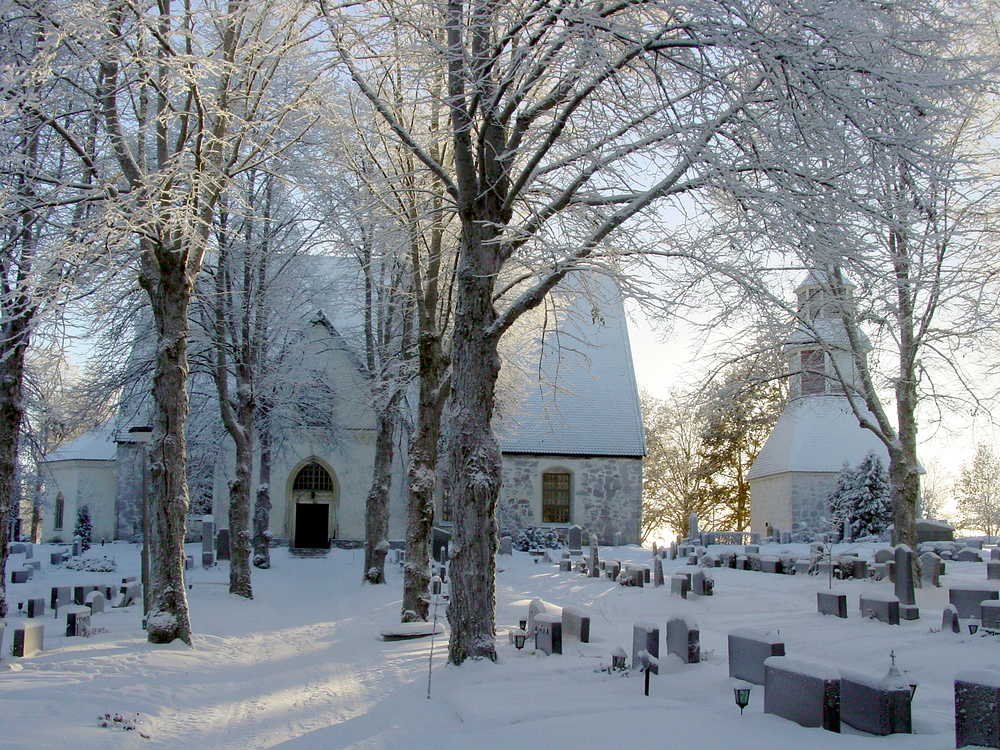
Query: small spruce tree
(83, 527)
(862, 496)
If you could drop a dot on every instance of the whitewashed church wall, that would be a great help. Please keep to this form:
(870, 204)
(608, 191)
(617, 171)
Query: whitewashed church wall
(90, 483)
(771, 502)
(606, 494)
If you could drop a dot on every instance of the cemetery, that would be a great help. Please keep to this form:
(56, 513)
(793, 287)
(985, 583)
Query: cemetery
(802, 644)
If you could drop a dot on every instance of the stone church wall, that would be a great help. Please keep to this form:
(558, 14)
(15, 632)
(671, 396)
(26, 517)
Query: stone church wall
(606, 494)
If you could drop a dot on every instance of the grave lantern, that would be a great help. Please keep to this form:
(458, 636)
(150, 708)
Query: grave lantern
(973, 627)
(519, 638)
(618, 657)
(742, 697)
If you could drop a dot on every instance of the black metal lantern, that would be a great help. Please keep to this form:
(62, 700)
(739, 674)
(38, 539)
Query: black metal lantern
(742, 696)
(519, 637)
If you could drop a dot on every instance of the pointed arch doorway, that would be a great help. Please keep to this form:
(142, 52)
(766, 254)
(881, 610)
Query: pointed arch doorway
(313, 503)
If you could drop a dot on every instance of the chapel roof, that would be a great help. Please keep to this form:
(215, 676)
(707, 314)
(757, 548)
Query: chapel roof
(577, 392)
(96, 445)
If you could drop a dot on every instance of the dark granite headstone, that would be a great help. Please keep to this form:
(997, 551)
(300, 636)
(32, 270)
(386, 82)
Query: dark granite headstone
(977, 708)
(969, 555)
(77, 620)
(949, 620)
(802, 691)
(35, 607)
(684, 638)
(576, 624)
(874, 704)
(748, 650)
(904, 585)
(879, 606)
(830, 603)
(930, 569)
(222, 544)
(657, 571)
(548, 634)
(990, 615)
(645, 637)
(967, 598)
(574, 540)
(680, 585)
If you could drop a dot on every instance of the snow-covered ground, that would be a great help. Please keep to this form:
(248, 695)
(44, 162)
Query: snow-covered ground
(303, 667)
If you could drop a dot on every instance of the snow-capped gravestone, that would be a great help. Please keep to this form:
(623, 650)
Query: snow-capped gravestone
(693, 526)
(506, 546)
(877, 705)
(576, 624)
(967, 598)
(28, 637)
(684, 638)
(207, 541)
(574, 540)
(594, 560)
(94, 602)
(930, 569)
(879, 606)
(645, 638)
(77, 620)
(657, 571)
(680, 585)
(990, 615)
(904, 583)
(35, 607)
(60, 595)
(967, 554)
(748, 650)
(977, 698)
(77, 546)
(993, 570)
(548, 634)
(949, 620)
(884, 555)
(535, 608)
(831, 603)
(802, 691)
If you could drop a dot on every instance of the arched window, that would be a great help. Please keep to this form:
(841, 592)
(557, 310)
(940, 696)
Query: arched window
(57, 521)
(556, 491)
(313, 477)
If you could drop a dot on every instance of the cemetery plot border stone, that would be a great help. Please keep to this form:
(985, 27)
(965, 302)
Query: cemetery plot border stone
(977, 720)
(645, 638)
(831, 603)
(576, 624)
(28, 638)
(748, 650)
(967, 598)
(878, 606)
(407, 630)
(684, 638)
(548, 634)
(802, 691)
(873, 705)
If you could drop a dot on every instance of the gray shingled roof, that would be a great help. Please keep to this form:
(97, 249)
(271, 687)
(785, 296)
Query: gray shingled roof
(586, 401)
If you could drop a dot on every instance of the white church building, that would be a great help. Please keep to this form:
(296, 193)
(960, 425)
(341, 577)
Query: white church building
(797, 468)
(569, 425)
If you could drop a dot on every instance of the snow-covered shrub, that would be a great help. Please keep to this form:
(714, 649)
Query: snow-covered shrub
(787, 560)
(103, 564)
(753, 562)
(536, 538)
(862, 496)
(83, 529)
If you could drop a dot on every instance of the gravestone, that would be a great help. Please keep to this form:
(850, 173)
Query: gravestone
(698, 582)
(990, 615)
(877, 705)
(95, 602)
(949, 620)
(786, 537)
(35, 565)
(904, 584)
(848, 535)
(977, 696)
(684, 638)
(967, 554)
(207, 541)
(440, 539)
(565, 565)
(884, 555)
(930, 569)
(618, 539)
(993, 570)
(80, 593)
(188, 562)
(751, 549)
(574, 540)
(879, 606)
(657, 572)
(647, 574)
(548, 634)
(748, 650)
(994, 553)
(77, 620)
(612, 569)
(595, 560)
(645, 637)
(535, 608)
(673, 551)
(21, 575)
(222, 544)
(60, 595)
(967, 598)
(35, 607)
(506, 546)
(576, 624)
(77, 546)
(57, 558)
(830, 603)
(770, 564)
(693, 526)
(680, 585)
(16, 548)
(28, 638)
(802, 691)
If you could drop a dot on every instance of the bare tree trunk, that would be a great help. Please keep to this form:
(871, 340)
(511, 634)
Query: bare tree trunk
(11, 414)
(377, 504)
(164, 277)
(474, 461)
(262, 502)
(422, 475)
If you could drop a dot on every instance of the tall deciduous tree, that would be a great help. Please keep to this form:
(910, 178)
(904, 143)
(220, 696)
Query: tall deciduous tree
(567, 122)
(187, 101)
